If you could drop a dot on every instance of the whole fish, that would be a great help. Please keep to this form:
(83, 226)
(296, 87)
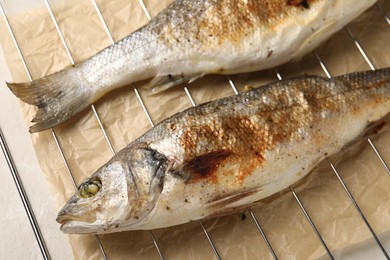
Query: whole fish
(187, 40)
(226, 155)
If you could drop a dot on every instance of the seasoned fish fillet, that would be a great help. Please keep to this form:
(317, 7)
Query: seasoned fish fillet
(225, 155)
(187, 40)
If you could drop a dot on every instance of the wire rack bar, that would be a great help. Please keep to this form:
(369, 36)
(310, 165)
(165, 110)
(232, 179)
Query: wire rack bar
(279, 76)
(200, 222)
(322, 65)
(233, 86)
(103, 21)
(152, 124)
(63, 158)
(59, 31)
(358, 209)
(53, 133)
(263, 234)
(139, 98)
(141, 2)
(379, 156)
(23, 196)
(369, 62)
(15, 41)
(92, 106)
(383, 13)
(156, 245)
(343, 183)
(189, 96)
(209, 239)
(193, 103)
(143, 107)
(311, 222)
(103, 130)
(50, 10)
(357, 44)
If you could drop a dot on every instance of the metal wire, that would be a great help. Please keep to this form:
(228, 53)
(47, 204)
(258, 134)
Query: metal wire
(92, 106)
(369, 62)
(152, 124)
(103, 21)
(200, 222)
(231, 83)
(359, 210)
(59, 31)
(53, 133)
(209, 239)
(139, 98)
(15, 42)
(357, 44)
(193, 103)
(311, 223)
(73, 63)
(24, 198)
(378, 155)
(189, 96)
(383, 13)
(63, 158)
(263, 234)
(303, 208)
(322, 65)
(145, 9)
(342, 181)
(103, 130)
(233, 86)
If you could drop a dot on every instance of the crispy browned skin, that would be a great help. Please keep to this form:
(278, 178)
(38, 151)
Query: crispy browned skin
(187, 40)
(226, 155)
(243, 128)
(224, 20)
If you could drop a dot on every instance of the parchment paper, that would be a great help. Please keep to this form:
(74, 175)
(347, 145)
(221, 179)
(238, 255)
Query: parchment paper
(85, 148)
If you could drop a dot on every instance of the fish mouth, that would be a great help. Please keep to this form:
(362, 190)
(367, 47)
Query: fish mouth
(77, 227)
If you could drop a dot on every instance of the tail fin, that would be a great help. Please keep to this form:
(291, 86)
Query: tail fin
(58, 96)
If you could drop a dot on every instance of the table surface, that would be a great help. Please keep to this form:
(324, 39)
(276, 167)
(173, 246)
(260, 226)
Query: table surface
(17, 239)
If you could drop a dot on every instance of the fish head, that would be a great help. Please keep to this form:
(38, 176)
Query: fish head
(119, 195)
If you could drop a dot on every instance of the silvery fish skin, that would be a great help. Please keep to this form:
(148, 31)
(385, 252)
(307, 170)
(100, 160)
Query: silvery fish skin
(187, 40)
(226, 155)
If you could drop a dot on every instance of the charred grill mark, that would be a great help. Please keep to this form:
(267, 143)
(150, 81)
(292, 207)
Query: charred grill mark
(272, 116)
(205, 166)
(248, 138)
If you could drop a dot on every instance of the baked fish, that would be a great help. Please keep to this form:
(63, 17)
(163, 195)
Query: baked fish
(226, 155)
(187, 40)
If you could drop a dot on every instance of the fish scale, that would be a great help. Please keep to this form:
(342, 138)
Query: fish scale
(226, 155)
(187, 40)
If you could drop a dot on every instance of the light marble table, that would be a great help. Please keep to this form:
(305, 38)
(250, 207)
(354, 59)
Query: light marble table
(17, 239)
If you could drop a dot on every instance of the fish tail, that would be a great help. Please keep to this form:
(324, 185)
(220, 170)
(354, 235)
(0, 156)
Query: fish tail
(58, 97)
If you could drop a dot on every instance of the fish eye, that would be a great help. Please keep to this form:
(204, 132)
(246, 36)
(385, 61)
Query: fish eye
(90, 188)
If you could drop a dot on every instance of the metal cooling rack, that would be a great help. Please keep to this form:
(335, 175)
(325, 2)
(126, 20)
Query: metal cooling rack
(27, 205)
